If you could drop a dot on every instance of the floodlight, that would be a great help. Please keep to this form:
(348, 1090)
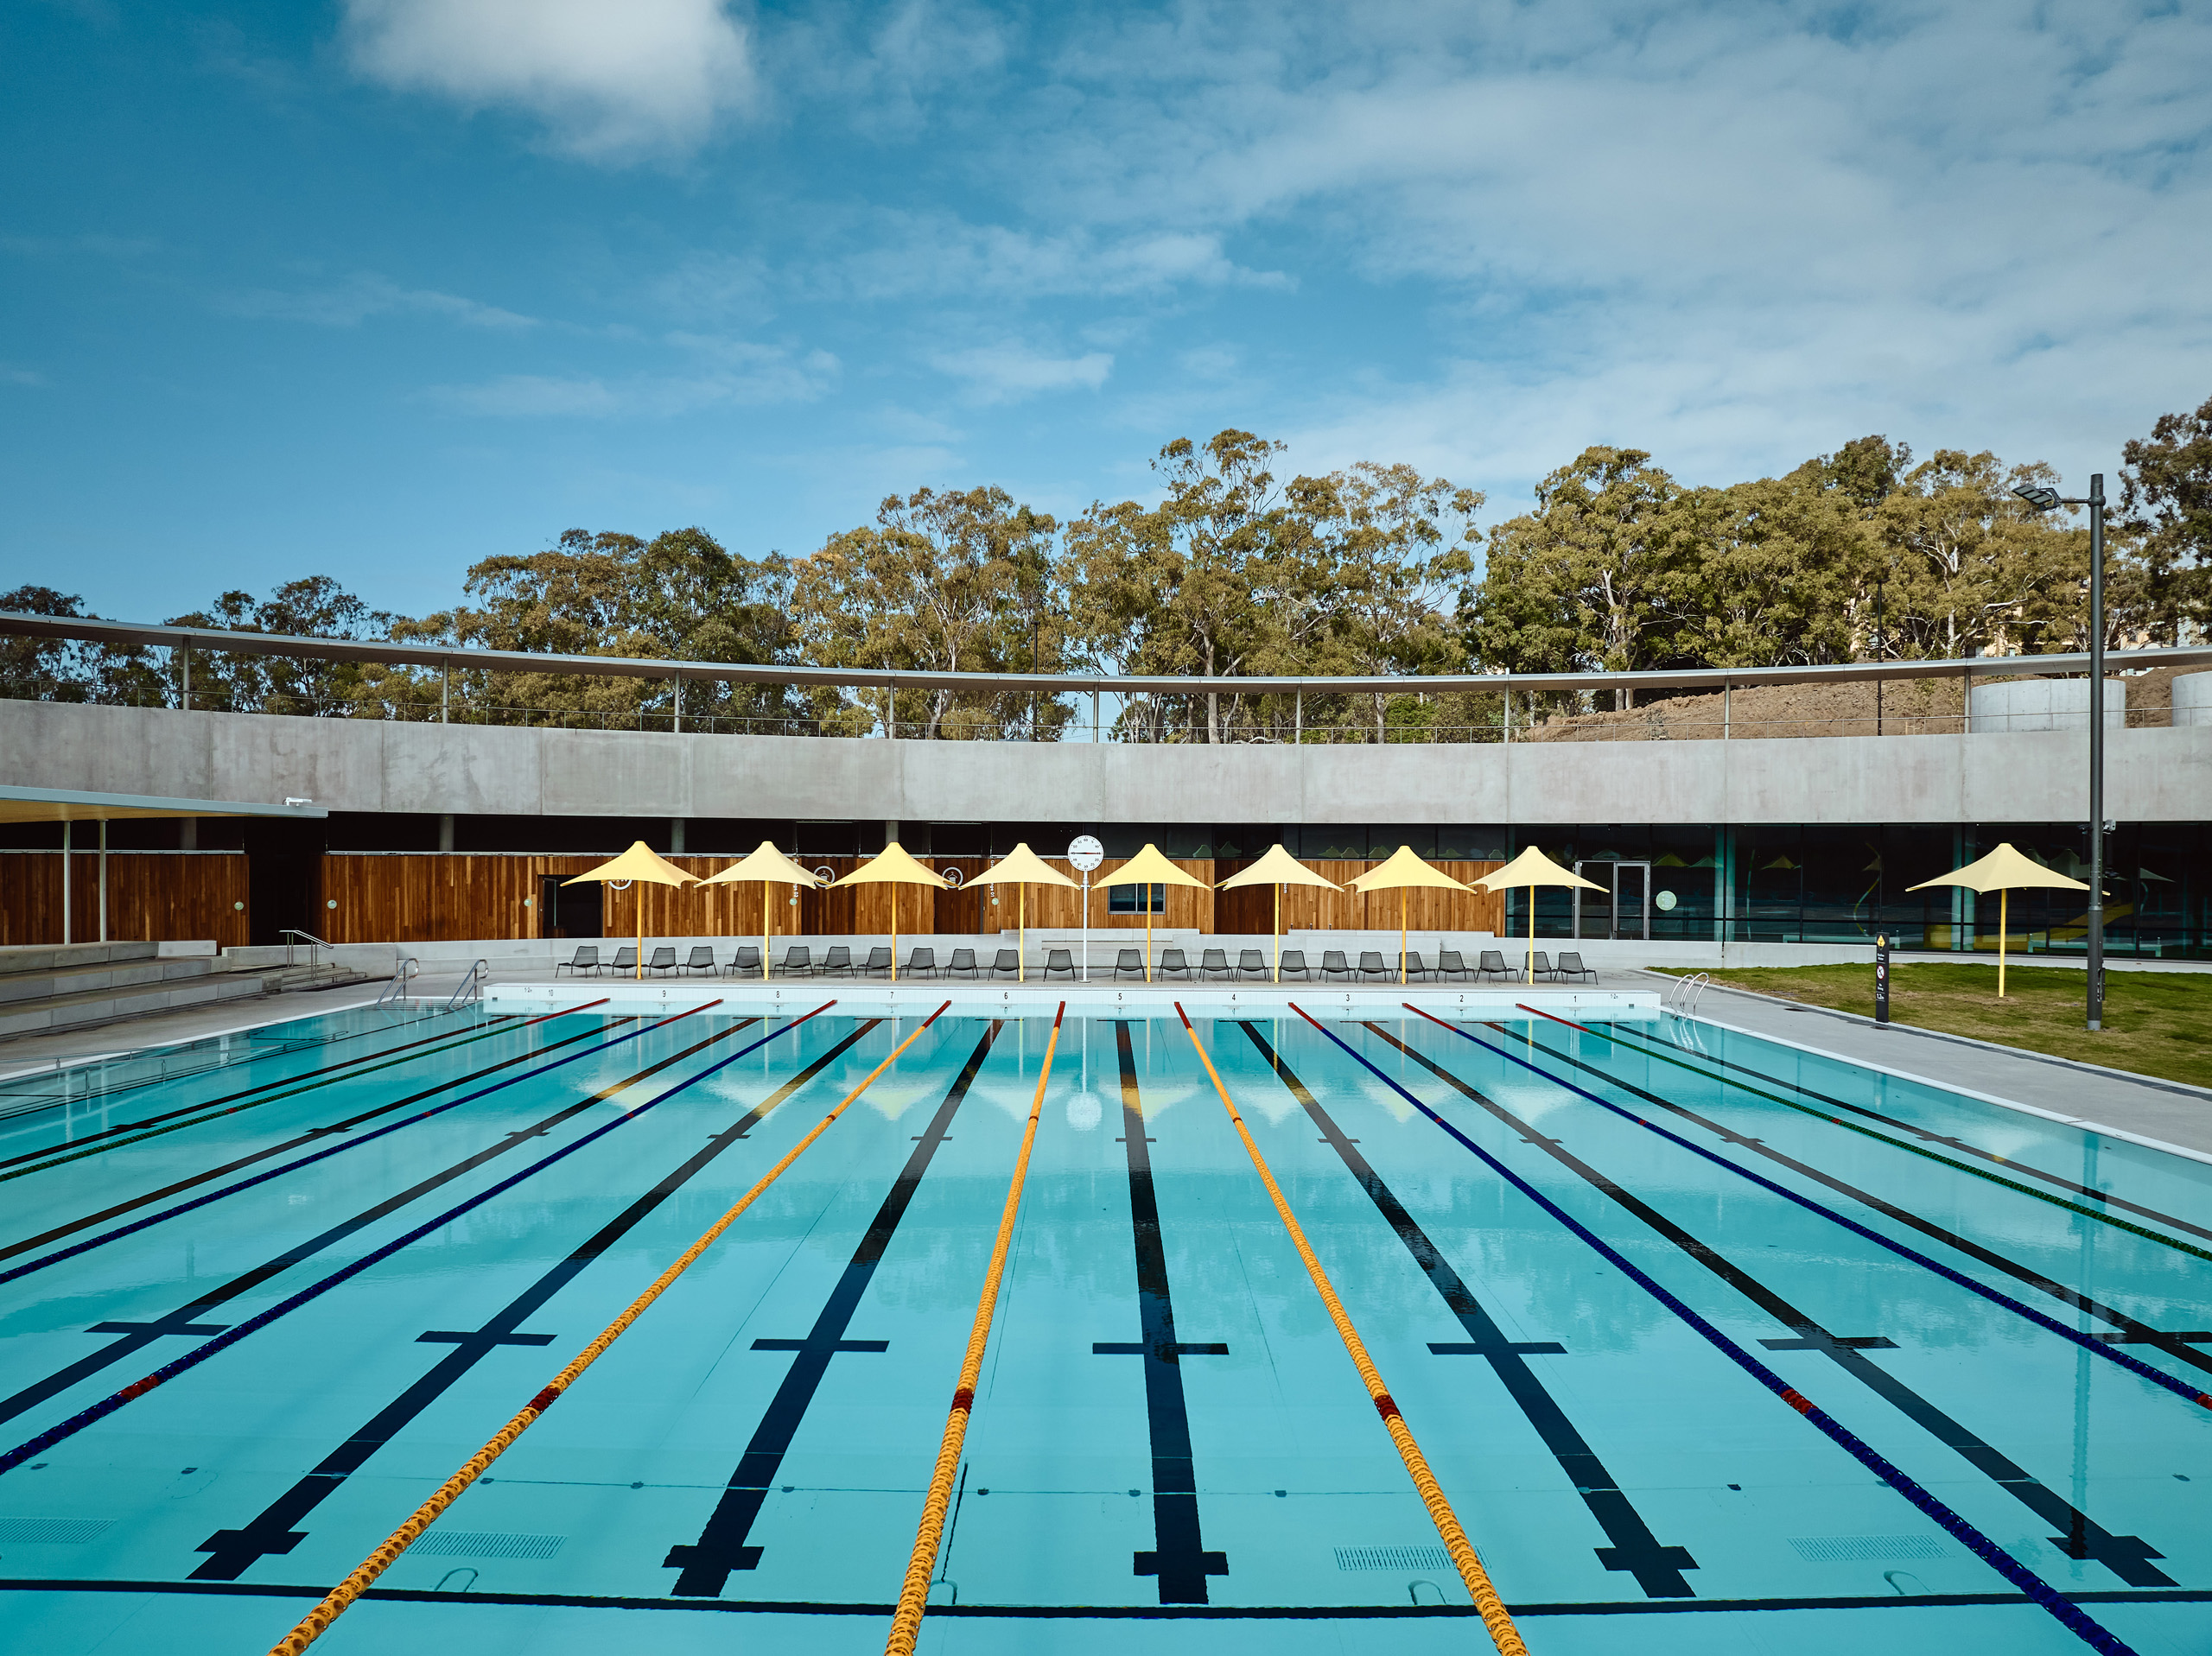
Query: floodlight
(2035, 495)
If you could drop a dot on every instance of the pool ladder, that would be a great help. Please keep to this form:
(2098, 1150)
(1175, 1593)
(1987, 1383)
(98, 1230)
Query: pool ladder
(394, 992)
(472, 986)
(1684, 992)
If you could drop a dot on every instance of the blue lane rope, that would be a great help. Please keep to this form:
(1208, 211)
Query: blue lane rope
(223, 1342)
(2090, 1632)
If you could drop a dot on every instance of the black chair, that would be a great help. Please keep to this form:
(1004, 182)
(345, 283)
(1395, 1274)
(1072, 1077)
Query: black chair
(1333, 965)
(1492, 961)
(625, 960)
(662, 958)
(1059, 960)
(1172, 960)
(1214, 964)
(1008, 961)
(1450, 959)
(702, 960)
(962, 963)
(839, 959)
(1414, 967)
(746, 960)
(1252, 962)
(1294, 960)
(1129, 960)
(921, 960)
(586, 960)
(879, 963)
(1570, 966)
(1371, 965)
(1540, 966)
(797, 958)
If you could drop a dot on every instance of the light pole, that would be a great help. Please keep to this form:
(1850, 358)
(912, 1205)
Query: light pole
(2043, 499)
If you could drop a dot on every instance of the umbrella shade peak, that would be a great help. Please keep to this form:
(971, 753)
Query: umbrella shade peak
(1532, 867)
(1278, 868)
(1022, 866)
(641, 862)
(1405, 866)
(895, 865)
(2004, 870)
(765, 863)
(1150, 867)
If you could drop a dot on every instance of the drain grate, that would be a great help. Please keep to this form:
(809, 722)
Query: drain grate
(1393, 1558)
(55, 1532)
(1843, 1549)
(489, 1544)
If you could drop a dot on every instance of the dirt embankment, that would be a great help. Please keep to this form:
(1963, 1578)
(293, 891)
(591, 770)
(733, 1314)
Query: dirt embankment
(1920, 706)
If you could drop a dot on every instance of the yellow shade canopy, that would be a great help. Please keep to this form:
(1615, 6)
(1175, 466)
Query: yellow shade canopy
(2004, 870)
(1148, 867)
(1405, 867)
(893, 867)
(1022, 866)
(1278, 868)
(641, 862)
(767, 865)
(1532, 867)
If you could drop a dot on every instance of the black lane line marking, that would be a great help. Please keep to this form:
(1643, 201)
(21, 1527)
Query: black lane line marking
(304, 1076)
(76, 1151)
(1178, 1555)
(221, 1342)
(2126, 1555)
(2138, 1333)
(270, 1531)
(309, 1137)
(1097, 1612)
(722, 1547)
(2055, 1180)
(1635, 1550)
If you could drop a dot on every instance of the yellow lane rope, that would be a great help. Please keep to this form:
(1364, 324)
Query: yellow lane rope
(913, 1597)
(317, 1621)
(1495, 1616)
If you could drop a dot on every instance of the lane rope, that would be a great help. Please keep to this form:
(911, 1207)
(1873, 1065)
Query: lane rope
(914, 1597)
(1495, 1617)
(2111, 1354)
(2092, 1632)
(316, 1622)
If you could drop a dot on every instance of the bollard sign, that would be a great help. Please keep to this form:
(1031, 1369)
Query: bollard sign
(1882, 980)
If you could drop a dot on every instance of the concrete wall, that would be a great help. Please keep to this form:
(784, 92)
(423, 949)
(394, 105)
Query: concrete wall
(2044, 704)
(2193, 699)
(2159, 775)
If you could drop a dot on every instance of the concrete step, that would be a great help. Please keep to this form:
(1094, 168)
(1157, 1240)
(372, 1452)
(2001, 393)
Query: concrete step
(135, 971)
(50, 957)
(107, 1006)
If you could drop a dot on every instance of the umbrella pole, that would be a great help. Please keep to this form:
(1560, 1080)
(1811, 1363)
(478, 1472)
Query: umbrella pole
(640, 889)
(1022, 939)
(1528, 965)
(1278, 934)
(1402, 937)
(764, 931)
(894, 932)
(1148, 932)
(2004, 925)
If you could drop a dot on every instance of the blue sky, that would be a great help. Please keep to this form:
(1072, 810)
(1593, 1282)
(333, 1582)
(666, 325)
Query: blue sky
(376, 288)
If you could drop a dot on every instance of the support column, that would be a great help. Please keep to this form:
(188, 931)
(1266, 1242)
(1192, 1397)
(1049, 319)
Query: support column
(445, 832)
(675, 836)
(65, 883)
(103, 880)
(679, 706)
(184, 665)
(445, 695)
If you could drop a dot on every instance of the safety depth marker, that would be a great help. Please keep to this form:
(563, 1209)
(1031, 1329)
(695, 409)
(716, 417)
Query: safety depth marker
(317, 1621)
(913, 1597)
(1492, 1608)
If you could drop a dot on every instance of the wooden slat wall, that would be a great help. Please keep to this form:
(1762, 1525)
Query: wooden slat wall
(152, 897)
(1251, 909)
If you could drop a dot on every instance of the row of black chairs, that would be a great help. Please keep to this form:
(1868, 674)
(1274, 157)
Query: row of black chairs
(1213, 964)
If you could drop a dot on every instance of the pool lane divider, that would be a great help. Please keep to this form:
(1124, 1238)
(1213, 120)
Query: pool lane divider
(1179, 1556)
(365, 1058)
(223, 1342)
(118, 1209)
(2078, 1535)
(1496, 1618)
(2069, 1614)
(270, 1531)
(724, 1543)
(317, 1621)
(913, 1595)
(1635, 1551)
(62, 1155)
(2087, 1192)
(2136, 1332)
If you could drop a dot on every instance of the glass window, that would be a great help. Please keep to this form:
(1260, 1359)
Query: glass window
(1136, 899)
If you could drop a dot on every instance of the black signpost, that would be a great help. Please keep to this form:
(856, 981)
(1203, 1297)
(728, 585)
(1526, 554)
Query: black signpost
(1882, 980)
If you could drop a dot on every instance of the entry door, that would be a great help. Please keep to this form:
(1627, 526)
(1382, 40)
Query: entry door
(1593, 910)
(1632, 900)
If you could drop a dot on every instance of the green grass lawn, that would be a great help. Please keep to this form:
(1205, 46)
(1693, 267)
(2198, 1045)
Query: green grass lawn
(2156, 1023)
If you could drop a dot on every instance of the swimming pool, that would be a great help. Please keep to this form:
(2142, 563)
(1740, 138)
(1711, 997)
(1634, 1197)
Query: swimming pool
(1637, 1291)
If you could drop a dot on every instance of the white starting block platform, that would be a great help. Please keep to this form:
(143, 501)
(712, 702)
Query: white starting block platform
(845, 999)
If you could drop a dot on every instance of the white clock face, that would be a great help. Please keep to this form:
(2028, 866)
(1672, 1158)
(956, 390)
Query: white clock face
(1085, 854)
(1664, 900)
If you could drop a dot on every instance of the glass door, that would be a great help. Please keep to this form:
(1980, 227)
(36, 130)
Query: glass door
(1632, 900)
(1593, 910)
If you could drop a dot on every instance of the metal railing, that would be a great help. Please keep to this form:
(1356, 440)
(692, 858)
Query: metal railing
(470, 987)
(394, 992)
(293, 937)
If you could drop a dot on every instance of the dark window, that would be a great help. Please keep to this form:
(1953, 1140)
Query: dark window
(1136, 899)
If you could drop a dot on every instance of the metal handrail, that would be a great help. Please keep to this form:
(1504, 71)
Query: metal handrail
(472, 986)
(395, 991)
(316, 946)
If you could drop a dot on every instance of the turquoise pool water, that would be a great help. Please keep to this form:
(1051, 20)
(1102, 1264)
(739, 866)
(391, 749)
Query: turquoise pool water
(1572, 1254)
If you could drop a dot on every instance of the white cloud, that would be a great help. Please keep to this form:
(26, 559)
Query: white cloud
(723, 373)
(11, 375)
(611, 80)
(1008, 372)
(938, 254)
(351, 302)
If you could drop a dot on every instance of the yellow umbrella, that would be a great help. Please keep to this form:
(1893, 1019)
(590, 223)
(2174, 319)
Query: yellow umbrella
(895, 867)
(639, 862)
(1024, 868)
(1148, 867)
(1404, 870)
(2002, 870)
(1278, 868)
(771, 868)
(1532, 868)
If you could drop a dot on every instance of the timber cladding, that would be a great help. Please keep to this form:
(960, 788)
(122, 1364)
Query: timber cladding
(152, 897)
